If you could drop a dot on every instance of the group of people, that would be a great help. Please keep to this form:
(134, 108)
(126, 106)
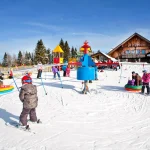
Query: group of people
(138, 80)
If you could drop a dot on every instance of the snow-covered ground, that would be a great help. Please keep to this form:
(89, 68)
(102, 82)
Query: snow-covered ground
(107, 118)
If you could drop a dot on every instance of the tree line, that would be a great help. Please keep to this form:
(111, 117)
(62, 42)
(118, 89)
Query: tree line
(40, 54)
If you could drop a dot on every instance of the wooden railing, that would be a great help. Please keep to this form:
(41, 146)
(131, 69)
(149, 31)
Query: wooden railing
(132, 55)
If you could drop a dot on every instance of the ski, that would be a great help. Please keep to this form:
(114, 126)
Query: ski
(18, 126)
(37, 122)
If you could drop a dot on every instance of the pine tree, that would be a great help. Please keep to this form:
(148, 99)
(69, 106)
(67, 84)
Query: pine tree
(75, 52)
(20, 58)
(29, 56)
(62, 44)
(66, 51)
(32, 59)
(72, 52)
(40, 53)
(48, 51)
(27, 62)
(5, 63)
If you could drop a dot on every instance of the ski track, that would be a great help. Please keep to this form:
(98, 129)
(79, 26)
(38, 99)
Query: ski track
(107, 118)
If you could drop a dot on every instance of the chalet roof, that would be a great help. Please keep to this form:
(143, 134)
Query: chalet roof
(107, 56)
(135, 34)
(111, 58)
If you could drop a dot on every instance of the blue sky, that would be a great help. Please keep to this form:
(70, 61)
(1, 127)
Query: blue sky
(104, 23)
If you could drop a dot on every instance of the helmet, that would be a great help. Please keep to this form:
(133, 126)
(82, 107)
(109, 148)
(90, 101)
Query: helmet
(26, 80)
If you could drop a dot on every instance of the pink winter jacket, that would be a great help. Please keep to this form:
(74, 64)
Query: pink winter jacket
(68, 70)
(146, 78)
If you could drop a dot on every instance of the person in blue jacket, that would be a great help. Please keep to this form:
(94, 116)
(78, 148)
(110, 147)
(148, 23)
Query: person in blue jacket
(64, 67)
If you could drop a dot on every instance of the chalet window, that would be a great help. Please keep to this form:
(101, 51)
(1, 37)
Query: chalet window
(143, 51)
(137, 51)
(133, 52)
(127, 52)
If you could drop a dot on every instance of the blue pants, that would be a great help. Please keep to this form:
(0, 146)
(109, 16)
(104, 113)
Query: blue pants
(57, 75)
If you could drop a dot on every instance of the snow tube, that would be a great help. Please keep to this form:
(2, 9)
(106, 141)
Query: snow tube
(132, 88)
(6, 89)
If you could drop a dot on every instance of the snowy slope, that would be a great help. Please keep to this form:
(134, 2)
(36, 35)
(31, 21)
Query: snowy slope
(109, 118)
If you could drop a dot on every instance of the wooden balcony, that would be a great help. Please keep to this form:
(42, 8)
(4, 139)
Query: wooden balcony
(132, 55)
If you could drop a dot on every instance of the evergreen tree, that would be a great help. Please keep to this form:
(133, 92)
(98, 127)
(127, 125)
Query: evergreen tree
(29, 56)
(75, 53)
(48, 51)
(66, 51)
(32, 59)
(20, 58)
(40, 53)
(72, 52)
(27, 61)
(62, 44)
(5, 62)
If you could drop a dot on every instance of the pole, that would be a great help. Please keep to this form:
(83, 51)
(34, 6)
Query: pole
(120, 74)
(43, 86)
(15, 83)
(59, 72)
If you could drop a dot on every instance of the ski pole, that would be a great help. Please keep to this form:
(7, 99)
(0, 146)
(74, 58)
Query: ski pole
(60, 77)
(120, 74)
(15, 83)
(45, 75)
(43, 86)
(61, 81)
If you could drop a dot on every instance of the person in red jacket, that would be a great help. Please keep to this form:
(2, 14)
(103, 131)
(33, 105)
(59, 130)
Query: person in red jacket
(10, 74)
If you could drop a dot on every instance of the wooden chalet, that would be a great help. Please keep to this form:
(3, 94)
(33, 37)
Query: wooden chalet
(134, 49)
(102, 57)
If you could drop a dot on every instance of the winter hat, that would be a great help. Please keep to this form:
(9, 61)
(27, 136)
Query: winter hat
(133, 72)
(26, 80)
(145, 71)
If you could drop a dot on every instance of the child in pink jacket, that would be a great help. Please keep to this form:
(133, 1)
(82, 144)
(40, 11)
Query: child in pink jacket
(68, 71)
(145, 80)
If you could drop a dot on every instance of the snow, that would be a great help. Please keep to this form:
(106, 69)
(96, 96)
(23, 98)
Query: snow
(107, 118)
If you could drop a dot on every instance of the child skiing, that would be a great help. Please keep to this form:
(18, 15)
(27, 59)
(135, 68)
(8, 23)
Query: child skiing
(68, 71)
(39, 68)
(64, 68)
(146, 80)
(55, 71)
(28, 96)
